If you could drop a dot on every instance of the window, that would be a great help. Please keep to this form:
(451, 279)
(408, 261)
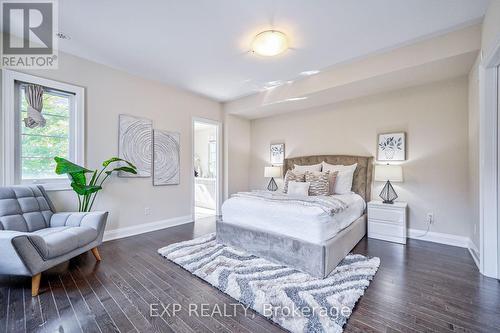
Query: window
(39, 145)
(29, 152)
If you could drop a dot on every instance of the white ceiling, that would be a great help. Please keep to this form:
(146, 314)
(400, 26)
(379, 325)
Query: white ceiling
(202, 45)
(434, 59)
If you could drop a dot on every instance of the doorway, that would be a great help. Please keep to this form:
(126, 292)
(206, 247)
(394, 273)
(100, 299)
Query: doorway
(206, 168)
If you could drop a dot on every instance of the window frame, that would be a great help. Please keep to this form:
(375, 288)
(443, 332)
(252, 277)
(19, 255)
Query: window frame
(11, 174)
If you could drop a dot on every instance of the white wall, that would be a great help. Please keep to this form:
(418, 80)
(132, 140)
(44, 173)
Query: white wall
(473, 134)
(434, 116)
(490, 36)
(109, 92)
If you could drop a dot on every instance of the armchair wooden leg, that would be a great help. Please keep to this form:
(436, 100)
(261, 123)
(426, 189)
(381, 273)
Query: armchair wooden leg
(35, 284)
(96, 254)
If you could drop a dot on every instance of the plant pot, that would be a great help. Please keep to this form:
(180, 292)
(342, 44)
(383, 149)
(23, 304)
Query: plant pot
(389, 153)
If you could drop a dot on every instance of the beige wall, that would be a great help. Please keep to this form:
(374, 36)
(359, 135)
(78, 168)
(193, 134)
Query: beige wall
(434, 116)
(109, 92)
(236, 154)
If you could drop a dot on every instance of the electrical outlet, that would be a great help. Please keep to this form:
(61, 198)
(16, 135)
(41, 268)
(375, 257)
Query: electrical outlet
(430, 218)
(147, 211)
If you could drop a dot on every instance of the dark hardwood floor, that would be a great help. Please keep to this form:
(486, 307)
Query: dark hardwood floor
(419, 287)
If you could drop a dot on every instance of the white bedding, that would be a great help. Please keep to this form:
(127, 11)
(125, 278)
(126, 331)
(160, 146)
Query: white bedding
(306, 223)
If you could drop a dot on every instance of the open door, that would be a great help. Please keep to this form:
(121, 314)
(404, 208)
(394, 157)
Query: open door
(206, 168)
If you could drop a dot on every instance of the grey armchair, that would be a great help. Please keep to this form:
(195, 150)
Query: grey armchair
(34, 238)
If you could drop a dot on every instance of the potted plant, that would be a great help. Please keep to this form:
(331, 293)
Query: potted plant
(390, 145)
(87, 192)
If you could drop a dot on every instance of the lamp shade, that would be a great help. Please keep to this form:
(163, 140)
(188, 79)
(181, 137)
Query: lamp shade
(393, 173)
(272, 172)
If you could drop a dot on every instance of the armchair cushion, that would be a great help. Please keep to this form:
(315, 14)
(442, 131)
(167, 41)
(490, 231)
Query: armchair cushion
(95, 220)
(24, 208)
(57, 241)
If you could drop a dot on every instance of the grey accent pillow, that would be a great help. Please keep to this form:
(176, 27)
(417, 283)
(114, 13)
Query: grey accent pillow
(320, 183)
(292, 176)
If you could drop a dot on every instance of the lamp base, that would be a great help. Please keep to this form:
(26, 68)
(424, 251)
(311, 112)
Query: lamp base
(388, 194)
(272, 185)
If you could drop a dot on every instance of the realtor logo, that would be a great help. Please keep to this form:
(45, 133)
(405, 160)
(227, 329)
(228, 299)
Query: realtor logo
(29, 39)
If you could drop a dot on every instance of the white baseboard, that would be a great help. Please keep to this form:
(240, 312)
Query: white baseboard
(474, 252)
(146, 227)
(447, 239)
(438, 237)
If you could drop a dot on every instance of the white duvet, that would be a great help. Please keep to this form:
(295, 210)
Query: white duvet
(311, 224)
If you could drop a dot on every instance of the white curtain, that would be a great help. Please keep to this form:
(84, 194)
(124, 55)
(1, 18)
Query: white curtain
(34, 97)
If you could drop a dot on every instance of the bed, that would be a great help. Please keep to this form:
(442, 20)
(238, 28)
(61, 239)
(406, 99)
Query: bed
(303, 237)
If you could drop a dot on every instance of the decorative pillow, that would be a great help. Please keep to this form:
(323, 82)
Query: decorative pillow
(298, 188)
(343, 183)
(304, 168)
(292, 176)
(333, 180)
(320, 182)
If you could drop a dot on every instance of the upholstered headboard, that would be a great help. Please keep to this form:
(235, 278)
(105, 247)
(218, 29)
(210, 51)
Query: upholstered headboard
(362, 181)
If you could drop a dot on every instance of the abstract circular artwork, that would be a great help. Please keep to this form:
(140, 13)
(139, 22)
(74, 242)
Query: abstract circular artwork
(166, 159)
(135, 144)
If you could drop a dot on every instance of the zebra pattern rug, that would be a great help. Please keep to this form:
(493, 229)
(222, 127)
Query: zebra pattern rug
(294, 300)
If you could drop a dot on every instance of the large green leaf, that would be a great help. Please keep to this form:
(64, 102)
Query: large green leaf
(78, 178)
(85, 189)
(63, 166)
(117, 159)
(77, 175)
(124, 169)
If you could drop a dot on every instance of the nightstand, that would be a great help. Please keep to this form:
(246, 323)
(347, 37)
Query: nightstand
(387, 221)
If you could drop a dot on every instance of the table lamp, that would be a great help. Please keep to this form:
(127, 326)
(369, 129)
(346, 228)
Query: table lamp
(271, 172)
(388, 173)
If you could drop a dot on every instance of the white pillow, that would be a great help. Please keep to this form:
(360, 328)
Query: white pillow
(343, 183)
(298, 188)
(309, 168)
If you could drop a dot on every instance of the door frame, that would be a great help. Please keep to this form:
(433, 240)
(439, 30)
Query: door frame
(489, 161)
(218, 187)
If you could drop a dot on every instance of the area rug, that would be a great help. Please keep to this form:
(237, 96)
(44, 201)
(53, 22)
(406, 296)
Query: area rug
(294, 300)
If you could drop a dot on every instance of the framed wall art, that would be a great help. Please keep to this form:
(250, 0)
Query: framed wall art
(277, 153)
(391, 147)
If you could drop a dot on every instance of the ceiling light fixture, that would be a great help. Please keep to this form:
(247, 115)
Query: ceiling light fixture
(270, 43)
(309, 73)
